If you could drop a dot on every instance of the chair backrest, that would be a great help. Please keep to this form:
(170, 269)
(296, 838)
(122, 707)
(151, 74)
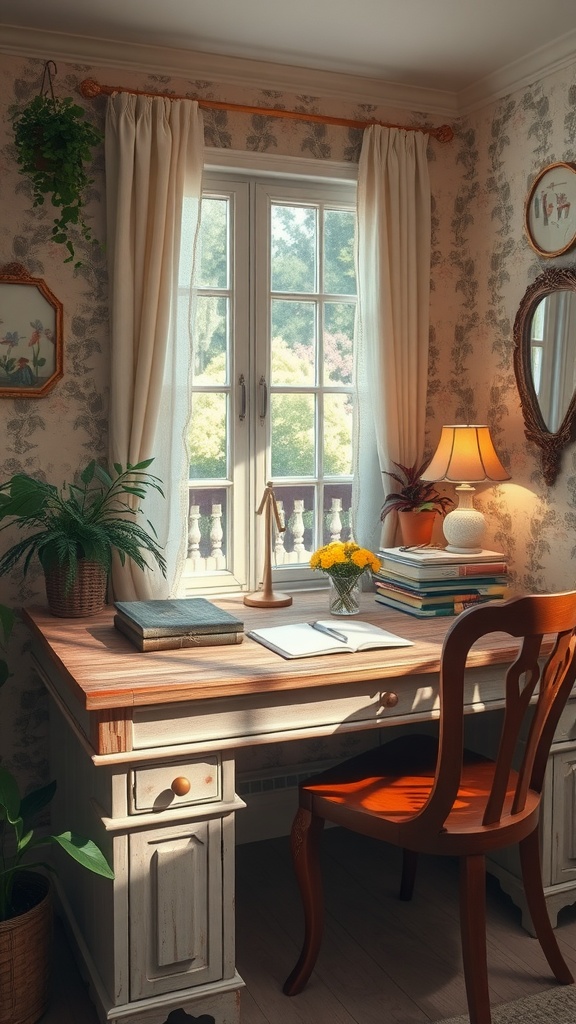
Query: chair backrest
(546, 626)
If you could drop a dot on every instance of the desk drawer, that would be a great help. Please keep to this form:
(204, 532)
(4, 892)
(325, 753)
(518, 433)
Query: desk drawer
(314, 711)
(157, 787)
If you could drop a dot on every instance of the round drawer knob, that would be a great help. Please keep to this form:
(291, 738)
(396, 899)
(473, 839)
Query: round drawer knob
(390, 700)
(180, 786)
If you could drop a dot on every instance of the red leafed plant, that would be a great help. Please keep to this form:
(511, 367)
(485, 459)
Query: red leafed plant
(415, 494)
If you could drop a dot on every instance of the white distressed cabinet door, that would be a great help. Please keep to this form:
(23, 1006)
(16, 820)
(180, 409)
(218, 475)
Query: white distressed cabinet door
(564, 817)
(175, 907)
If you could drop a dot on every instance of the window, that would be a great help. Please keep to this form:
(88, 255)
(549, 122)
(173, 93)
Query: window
(272, 376)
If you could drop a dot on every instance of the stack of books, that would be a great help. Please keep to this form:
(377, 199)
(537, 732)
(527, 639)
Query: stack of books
(185, 622)
(431, 581)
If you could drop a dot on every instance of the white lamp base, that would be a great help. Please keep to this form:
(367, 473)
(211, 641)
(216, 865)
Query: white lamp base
(464, 526)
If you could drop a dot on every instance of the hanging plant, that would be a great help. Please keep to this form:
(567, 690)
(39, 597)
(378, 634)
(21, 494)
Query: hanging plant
(54, 143)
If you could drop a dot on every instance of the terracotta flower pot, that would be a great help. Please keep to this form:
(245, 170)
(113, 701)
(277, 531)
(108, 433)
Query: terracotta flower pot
(416, 527)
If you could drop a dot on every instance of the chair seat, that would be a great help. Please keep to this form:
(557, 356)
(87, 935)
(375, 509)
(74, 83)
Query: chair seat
(386, 786)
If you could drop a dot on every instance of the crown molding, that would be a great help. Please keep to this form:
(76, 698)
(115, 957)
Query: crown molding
(522, 73)
(237, 71)
(240, 71)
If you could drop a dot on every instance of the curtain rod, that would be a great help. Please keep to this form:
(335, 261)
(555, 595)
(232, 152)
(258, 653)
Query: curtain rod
(443, 133)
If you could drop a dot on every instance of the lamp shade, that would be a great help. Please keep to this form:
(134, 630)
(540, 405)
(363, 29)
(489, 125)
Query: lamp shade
(465, 453)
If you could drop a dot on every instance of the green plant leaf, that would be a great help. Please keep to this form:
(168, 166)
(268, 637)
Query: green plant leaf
(85, 852)
(87, 474)
(35, 801)
(25, 840)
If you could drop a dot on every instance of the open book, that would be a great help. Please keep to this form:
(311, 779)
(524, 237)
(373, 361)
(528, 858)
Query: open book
(305, 639)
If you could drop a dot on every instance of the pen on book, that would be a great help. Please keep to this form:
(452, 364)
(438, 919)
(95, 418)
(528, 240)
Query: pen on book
(329, 632)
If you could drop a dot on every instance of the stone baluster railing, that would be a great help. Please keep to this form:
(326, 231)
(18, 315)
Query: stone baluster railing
(216, 559)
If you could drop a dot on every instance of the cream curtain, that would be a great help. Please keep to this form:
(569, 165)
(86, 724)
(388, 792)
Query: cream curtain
(394, 229)
(154, 156)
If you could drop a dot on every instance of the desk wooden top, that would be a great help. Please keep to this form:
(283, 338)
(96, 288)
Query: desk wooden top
(105, 671)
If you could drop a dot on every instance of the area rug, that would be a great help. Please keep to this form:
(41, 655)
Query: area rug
(555, 1006)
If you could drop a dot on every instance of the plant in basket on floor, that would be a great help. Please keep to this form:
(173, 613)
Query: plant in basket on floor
(417, 503)
(77, 529)
(25, 904)
(344, 563)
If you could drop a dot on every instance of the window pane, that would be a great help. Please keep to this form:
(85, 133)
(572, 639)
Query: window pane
(208, 529)
(293, 249)
(212, 256)
(337, 516)
(293, 342)
(338, 341)
(210, 363)
(207, 437)
(339, 271)
(293, 452)
(337, 435)
(187, 242)
(296, 544)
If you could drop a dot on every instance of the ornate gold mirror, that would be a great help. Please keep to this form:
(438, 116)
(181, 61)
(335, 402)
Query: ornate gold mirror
(545, 364)
(30, 334)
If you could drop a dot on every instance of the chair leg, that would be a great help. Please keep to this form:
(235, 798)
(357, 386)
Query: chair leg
(409, 865)
(305, 842)
(532, 881)
(473, 932)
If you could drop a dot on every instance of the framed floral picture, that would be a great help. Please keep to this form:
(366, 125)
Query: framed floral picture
(30, 334)
(550, 214)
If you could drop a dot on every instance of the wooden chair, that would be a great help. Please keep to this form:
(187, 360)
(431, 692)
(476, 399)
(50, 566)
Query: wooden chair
(432, 796)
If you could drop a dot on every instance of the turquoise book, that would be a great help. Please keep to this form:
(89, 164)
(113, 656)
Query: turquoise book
(432, 612)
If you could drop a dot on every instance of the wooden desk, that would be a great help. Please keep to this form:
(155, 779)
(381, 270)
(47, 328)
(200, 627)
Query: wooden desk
(124, 725)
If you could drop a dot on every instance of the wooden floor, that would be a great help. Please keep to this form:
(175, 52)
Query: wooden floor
(382, 961)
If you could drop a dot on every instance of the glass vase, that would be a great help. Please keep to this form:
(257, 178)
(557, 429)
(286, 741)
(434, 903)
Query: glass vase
(344, 595)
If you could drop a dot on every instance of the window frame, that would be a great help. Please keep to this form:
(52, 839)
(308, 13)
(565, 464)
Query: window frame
(289, 176)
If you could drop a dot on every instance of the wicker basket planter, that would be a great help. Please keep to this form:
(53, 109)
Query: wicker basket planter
(25, 945)
(86, 596)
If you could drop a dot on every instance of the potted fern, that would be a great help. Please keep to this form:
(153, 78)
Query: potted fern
(417, 503)
(75, 530)
(54, 144)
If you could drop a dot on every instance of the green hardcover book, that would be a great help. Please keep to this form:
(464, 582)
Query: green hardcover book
(188, 615)
(172, 643)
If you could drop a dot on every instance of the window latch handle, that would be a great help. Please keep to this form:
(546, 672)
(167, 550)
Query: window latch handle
(242, 384)
(263, 398)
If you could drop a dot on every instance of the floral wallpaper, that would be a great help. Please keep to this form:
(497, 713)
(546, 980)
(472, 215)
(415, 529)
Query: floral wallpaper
(481, 266)
(487, 263)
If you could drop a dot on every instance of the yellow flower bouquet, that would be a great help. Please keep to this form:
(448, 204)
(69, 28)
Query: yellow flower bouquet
(344, 562)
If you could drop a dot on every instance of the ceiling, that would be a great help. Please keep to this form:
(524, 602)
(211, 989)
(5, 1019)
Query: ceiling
(448, 45)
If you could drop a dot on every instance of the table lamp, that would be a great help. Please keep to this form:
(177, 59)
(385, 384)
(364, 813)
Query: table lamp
(465, 455)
